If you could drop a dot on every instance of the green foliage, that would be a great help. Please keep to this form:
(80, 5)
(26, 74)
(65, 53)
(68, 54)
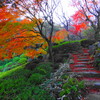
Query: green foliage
(13, 87)
(65, 60)
(15, 59)
(98, 49)
(41, 70)
(36, 78)
(2, 63)
(5, 74)
(45, 65)
(22, 61)
(19, 85)
(8, 64)
(40, 94)
(44, 68)
(97, 60)
(87, 42)
(1, 67)
(5, 61)
(64, 76)
(5, 69)
(72, 88)
(9, 68)
(13, 66)
(67, 42)
(12, 63)
(34, 93)
(89, 33)
(23, 56)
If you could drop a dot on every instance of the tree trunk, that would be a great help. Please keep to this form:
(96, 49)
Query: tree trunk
(97, 35)
(68, 37)
(51, 58)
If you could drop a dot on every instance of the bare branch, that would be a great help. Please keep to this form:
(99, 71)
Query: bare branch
(89, 9)
(87, 18)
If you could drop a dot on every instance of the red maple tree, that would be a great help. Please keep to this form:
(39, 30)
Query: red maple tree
(79, 22)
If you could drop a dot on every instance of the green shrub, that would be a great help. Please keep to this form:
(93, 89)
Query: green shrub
(23, 56)
(13, 66)
(45, 65)
(14, 84)
(41, 71)
(8, 64)
(15, 59)
(7, 73)
(6, 69)
(40, 94)
(19, 85)
(2, 63)
(36, 78)
(67, 42)
(44, 68)
(98, 49)
(22, 60)
(72, 89)
(33, 93)
(87, 42)
(1, 68)
(9, 68)
(5, 61)
(10, 87)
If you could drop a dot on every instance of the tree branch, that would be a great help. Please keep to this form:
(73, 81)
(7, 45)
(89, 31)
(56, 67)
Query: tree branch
(89, 9)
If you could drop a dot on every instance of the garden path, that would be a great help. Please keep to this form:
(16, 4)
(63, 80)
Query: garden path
(83, 67)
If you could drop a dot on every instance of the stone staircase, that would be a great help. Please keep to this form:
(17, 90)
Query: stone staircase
(83, 68)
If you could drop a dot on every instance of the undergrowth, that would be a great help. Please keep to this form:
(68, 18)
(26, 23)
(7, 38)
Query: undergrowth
(22, 84)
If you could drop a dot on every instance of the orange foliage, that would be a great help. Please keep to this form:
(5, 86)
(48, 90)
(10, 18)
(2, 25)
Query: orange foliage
(60, 35)
(26, 21)
(17, 37)
(17, 40)
(5, 16)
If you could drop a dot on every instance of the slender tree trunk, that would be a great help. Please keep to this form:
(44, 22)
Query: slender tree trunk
(68, 37)
(97, 35)
(51, 58)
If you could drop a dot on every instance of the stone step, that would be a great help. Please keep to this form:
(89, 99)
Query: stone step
(96, 75)
(88, 79)
(90, 76)
(93, 97)
(80, 69)
(97, 84)
(80, 57)
(82, 62)
(85, 54)
(83, 59)
(89, 72)
(79, 65)
(93, 85)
